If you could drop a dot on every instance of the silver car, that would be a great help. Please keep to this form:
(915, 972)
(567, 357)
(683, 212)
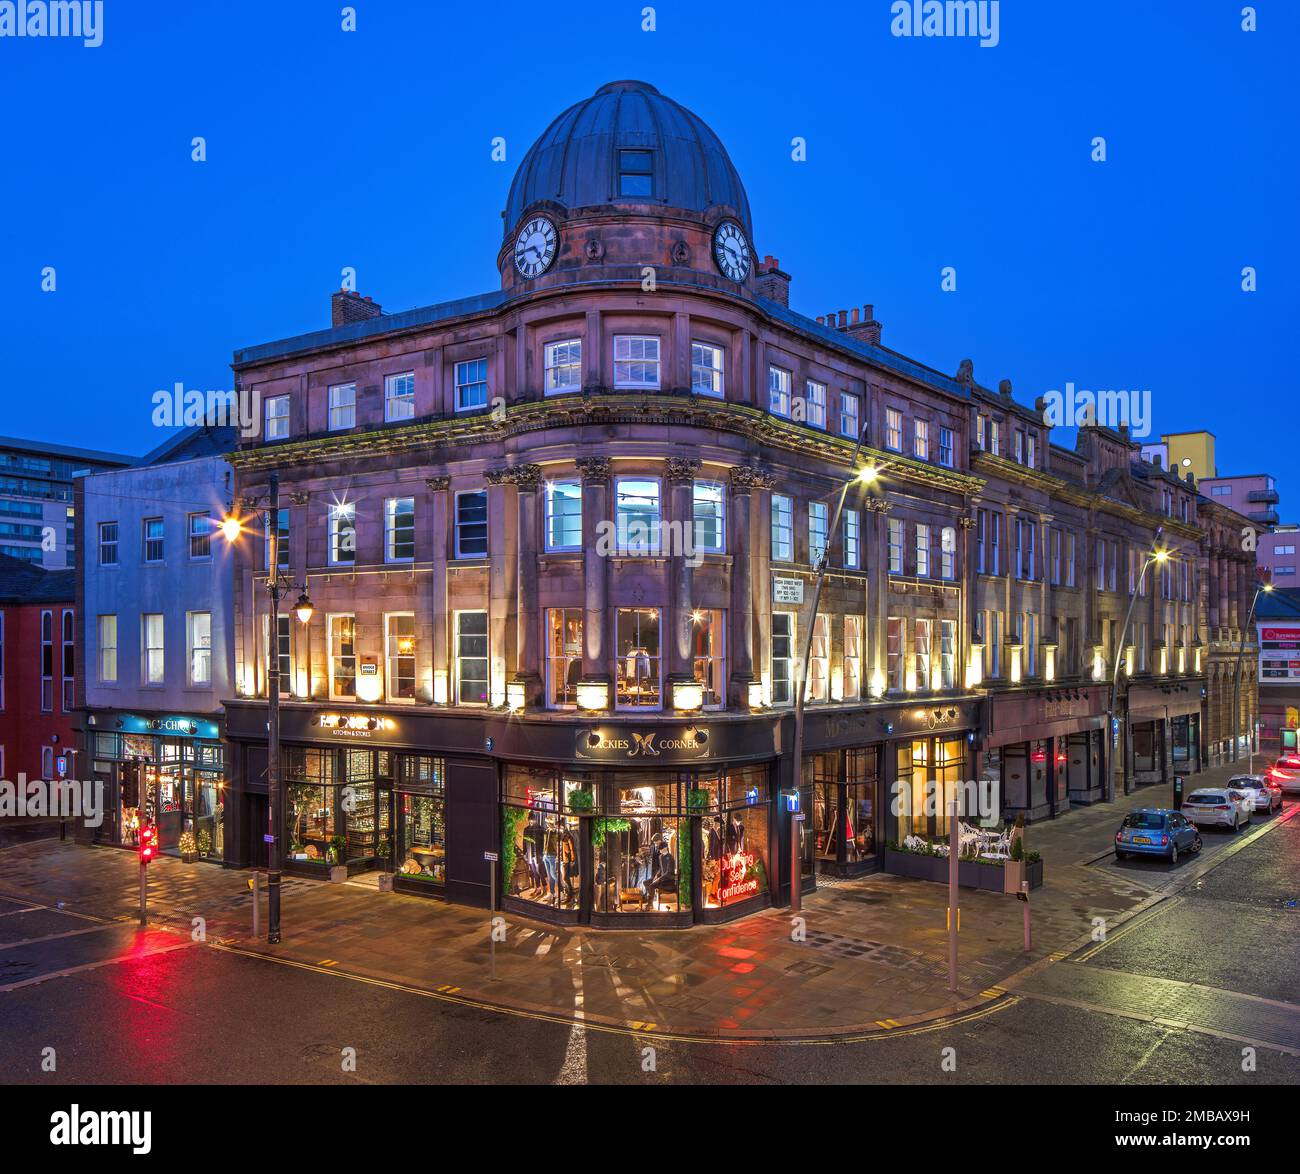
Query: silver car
(1268, 796)
(1219, 807)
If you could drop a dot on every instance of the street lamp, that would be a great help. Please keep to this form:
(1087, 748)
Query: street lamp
(1236, 676)
(867, 474)
(231, 528)
(1158, 555)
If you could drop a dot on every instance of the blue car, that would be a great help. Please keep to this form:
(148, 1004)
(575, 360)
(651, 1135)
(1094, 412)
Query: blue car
(1156, 832)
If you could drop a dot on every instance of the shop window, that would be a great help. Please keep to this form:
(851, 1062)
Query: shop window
(637, 848)
(310, 792)
(929, 775)
(852, 657)
(638, 658)
(844, 804)
(562, 365)
(400, 638)
(541, 857)
(637, 515)
(709, 509)
(420, 791)
(563, 515)
(734, 836)
(472, 657)
(563, 655)
(708, 655)
(343, 656)
(782, 657)
(896, 634)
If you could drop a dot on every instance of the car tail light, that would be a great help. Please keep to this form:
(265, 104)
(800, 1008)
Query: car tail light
(1162, 841)
(1223, 807)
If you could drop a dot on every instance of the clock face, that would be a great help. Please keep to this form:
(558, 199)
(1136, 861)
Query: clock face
(535, 247)
(731, 250)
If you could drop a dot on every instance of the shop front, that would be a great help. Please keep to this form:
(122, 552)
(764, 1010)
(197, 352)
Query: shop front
(1045, 748)
(612, 824)
(1164, 732)
(163, 769)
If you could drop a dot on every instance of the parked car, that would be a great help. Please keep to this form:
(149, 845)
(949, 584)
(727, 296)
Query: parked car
(1268, 795)
(1286, 773)
(1156, 832)
(1219, 807)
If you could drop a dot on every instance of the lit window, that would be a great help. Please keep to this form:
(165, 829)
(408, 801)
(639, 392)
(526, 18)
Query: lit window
(199, 624)
(563, 655)
(895, 546)
(636, 361)
(343, 406)
(706, 369)
(343, 656)
(921, 642)
(852, 657)
(922, 550)
(897, 635)
(947, 553)
(108, 650)
(562, 364)
(819, 660)
(471, 385)
(852, 540)
(472, 524)
(782, 657)
(818, 532)
(921, 440)
(399, 396)
(778, 391)
(893, 430)
(947, 654)
(708, 656)
(281, 539)
(151, 641)
(637, 648)
(400, 638)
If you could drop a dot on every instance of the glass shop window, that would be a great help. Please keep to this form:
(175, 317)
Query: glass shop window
(639, 685)
(637, 849)
(734, 837)
(421, 804)
(540, 861)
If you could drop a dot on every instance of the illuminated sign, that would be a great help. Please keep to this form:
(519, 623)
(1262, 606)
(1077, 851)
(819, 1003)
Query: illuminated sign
(355, 725)
(739, 877)
(634, 745)
(185, 727)
(1279, 653)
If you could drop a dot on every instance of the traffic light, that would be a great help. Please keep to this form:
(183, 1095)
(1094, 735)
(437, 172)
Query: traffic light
(130, 784)
(148, 842)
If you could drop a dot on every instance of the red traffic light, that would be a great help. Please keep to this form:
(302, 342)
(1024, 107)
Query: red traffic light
(148, 842)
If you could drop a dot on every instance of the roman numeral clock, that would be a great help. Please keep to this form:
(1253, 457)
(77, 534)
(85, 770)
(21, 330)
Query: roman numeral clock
(535, 247)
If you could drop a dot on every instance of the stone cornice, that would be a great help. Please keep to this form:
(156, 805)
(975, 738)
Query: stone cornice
(603, 409)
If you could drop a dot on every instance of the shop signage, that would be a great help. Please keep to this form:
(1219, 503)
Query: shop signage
(1279, 653)
(605, 744)
(490, 857)
(739, 877)
(355, 725)
(786, 590)
(188, 727)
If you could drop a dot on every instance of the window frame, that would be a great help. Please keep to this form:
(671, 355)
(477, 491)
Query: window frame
(101, 647)
(105, 543)
(459, 525)
(191, 648)
(780, 383)
(549, 351)
(549, 516)
(338, 513)
(782, 524)
(392, 531)
(459, 657)
(336, 407)
(204, 537)
(146, 540)
(628, 361)
(147, 649)
(272, 416)
(392, 659)
(716, 383)
(461, 380)
(814, 392)
(405, 398)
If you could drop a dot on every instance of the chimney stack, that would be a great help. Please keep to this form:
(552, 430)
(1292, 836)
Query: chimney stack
(771, 282)
(349, 306)
(864, 328)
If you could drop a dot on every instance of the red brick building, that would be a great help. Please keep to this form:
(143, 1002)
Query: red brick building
(37, 696)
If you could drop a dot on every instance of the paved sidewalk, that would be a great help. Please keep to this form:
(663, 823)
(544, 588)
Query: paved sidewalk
(874, 958)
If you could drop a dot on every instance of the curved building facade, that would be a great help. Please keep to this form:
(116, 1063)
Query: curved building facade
(561, 542)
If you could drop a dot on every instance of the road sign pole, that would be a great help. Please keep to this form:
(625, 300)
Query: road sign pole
(144, 890)
(257, 905)
(491, 858)
(954, 912)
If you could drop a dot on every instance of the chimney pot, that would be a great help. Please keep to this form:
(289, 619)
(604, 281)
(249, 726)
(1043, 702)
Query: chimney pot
(844, 319)
(854, 318)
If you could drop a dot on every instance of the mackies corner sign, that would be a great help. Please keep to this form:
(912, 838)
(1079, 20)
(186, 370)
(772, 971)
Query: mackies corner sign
(617, 745)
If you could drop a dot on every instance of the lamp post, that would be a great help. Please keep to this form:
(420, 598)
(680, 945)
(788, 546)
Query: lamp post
(867, 475)
(1236, 674)
(1159, 555)
(231, 528)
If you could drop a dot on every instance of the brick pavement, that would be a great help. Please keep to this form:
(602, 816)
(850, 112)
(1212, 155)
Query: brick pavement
(874, 957)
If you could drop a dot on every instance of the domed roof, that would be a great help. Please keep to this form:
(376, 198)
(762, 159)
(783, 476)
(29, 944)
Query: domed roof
(577, 160)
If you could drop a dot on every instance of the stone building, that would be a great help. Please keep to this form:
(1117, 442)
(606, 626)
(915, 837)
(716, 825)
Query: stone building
(560, 543)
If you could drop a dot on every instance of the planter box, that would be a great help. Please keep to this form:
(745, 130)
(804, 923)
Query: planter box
(971, 874)
(189, 857)
(338, 873)
(385, 882)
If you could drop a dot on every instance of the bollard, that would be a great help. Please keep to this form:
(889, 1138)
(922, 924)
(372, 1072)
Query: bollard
(257, 905)
(1024, 898)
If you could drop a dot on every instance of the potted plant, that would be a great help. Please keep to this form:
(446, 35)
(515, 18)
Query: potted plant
(205, 841)
(188, 848)
(384, 850)
(337, 857)
(1014, 870)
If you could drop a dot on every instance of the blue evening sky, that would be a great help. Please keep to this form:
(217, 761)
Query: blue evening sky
(372, 149)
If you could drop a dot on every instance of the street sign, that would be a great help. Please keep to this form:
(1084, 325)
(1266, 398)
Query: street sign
(491, 857)
(268, 839)
(786, 590)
